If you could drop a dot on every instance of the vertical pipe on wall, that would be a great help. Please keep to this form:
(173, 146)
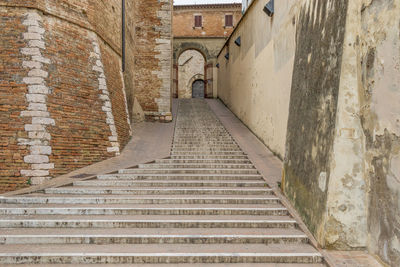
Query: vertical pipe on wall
(123, 35)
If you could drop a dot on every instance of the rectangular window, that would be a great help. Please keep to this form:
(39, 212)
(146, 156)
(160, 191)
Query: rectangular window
(228, 20)
(198, 21)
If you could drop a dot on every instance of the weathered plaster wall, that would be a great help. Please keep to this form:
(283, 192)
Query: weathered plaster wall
(380, 115)
(255, 82)
(191, 66)
(313, 111)
(342, 145)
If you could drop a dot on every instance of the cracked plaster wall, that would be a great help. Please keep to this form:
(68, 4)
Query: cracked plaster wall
(380, 116)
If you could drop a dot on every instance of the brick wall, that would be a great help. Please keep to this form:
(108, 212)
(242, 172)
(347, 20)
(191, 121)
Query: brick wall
(62, 93)
(213, 20)
(153, 57)
(12, 101)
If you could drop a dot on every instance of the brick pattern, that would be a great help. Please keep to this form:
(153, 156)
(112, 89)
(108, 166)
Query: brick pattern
(116, 88)
(12, 100)
(39, 138)
(81, 135)
(104, 96)
(213, 20)
(153, 60)
(63, 125)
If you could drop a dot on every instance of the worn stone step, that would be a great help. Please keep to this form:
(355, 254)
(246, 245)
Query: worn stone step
(196, 165)
(203, 161)
(206, 152)
(146, 221)
(206, 148)
(150, 231)
(204, 139)
(181, 265)
(151, 236)
(153, 253)
(156, 191)
(182, 142)
(123, 199)
(188, 170)
(176, 183)
(199, 156)
(153, 239)
(143, 211)
(180, 176)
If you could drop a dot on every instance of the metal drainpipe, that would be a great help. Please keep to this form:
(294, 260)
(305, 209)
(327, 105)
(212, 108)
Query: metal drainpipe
(123, 35)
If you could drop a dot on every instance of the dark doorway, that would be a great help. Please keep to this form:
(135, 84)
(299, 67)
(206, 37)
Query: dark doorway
(198, 89)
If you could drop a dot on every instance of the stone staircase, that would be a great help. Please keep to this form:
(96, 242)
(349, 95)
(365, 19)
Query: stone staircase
(206, 204)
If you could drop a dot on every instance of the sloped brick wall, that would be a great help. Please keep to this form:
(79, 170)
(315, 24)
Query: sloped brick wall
(63, 103)
(12, 101)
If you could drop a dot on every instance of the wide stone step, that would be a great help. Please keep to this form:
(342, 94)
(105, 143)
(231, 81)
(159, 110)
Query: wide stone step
(156, 191)
(191, 171)
(176, 183)
(198, 143)
(123, 199)
(143, 211)
(183, 265)
(151, 236)
(146, 221)
(153, 239)
(203, 141)
(177, 176)
(206, 149)
(203, 161)
(196, 165)
(149, 231)
(211, 156)
(153, 253)
(206, 152)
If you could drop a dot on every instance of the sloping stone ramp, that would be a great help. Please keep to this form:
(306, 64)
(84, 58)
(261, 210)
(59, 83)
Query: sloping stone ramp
(206, 204)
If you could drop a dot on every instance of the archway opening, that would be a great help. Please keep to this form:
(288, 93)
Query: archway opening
(198, 89)
(191, 71)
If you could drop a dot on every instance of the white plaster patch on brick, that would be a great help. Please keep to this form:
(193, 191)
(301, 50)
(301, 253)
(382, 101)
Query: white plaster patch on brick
(38, 136)
(128, 120)
(104, 96)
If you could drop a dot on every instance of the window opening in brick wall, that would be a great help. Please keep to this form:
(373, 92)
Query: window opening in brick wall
(198, 21)
(228, 20)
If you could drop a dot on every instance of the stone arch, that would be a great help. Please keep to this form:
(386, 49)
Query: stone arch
(191, 63)
(178, 50)
(195, 78)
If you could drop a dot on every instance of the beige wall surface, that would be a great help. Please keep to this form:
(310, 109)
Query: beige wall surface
(319, 84)
(255, 82)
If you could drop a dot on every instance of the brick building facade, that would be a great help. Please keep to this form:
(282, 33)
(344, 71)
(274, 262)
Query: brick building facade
(64, 100)
(203, 28)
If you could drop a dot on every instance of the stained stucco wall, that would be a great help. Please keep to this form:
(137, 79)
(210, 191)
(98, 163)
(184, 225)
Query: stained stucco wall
(330, 72)
(255, 82)
(380, 115)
